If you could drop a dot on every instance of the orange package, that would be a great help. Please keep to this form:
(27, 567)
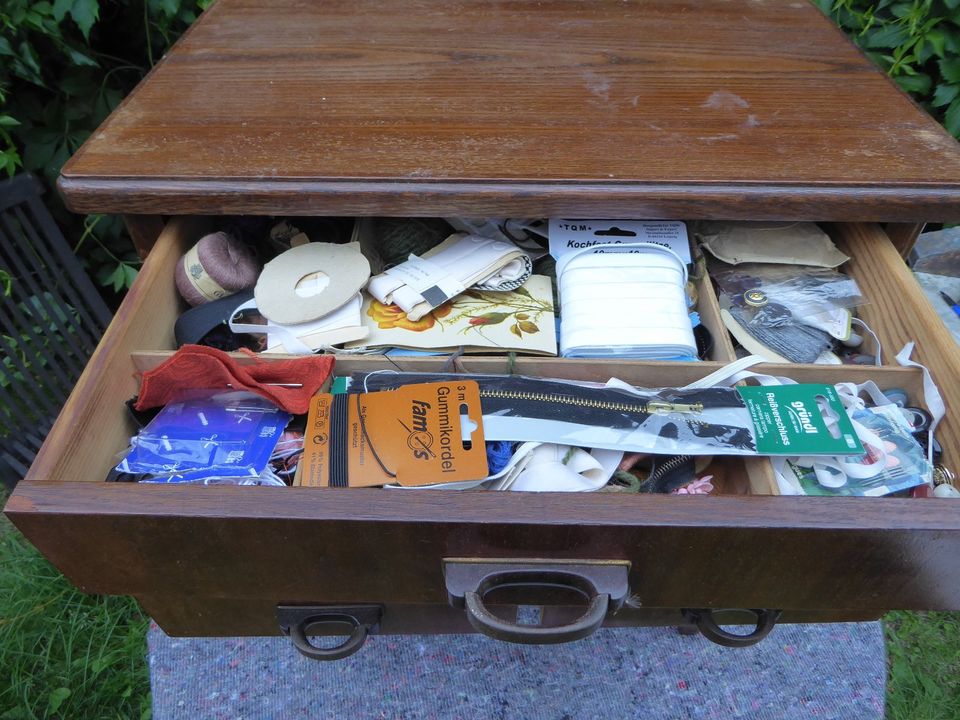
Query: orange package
(419, 434)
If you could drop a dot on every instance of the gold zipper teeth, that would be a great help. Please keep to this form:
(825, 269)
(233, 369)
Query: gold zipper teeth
(564, 400)
(585, 402)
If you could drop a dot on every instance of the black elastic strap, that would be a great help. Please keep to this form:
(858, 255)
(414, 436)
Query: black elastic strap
(193, 325)
(339, 426)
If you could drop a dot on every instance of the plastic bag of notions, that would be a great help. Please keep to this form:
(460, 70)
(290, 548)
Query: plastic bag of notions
(214, 437)
(797, 312)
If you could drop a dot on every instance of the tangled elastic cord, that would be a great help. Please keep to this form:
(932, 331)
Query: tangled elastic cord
(878, 352)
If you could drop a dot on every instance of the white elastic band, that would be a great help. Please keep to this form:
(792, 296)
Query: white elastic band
(546, 467)
(341, 325)
(931, 395)
(878, 348)
(422, 283)
(602, 284)
(727, 375)
(622, 248)
(290, 341)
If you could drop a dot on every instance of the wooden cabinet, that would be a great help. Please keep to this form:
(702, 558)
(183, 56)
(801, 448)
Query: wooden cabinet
(672, 109)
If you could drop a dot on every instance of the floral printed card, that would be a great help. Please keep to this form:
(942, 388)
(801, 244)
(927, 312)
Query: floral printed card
(520, 320)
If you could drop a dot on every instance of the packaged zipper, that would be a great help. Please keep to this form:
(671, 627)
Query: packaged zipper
(665, 421)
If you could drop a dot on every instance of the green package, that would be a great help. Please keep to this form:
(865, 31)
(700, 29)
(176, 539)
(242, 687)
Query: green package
(789, 420)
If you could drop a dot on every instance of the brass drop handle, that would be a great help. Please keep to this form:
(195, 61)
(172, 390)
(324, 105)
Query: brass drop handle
(297, 622)
(602, 585)
(711, 630)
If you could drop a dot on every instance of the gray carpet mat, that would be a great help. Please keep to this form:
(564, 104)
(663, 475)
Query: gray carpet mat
(800, 671)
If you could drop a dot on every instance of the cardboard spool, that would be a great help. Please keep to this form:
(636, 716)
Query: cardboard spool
(328, 276)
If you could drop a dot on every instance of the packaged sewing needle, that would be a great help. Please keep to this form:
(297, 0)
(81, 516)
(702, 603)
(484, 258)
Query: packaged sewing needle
(207, 434)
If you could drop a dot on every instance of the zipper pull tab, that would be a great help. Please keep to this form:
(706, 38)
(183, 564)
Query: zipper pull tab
(659, 407)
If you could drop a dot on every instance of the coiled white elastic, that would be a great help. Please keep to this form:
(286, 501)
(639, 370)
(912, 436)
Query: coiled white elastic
(624, 300)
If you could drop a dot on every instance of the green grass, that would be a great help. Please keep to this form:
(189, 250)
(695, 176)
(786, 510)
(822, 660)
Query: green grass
(923, 661)
(64, 654)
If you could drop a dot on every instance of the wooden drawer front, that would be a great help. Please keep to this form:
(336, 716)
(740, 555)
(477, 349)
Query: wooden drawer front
(248, 547)
(303, 545)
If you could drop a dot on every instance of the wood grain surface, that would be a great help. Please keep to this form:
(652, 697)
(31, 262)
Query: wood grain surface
(903, 236)
(673, 108)
(144, 231)
(371, 545)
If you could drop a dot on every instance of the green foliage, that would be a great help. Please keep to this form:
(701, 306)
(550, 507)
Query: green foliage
(64, 66)
(916, 42)
(64, 654)
(923, 655)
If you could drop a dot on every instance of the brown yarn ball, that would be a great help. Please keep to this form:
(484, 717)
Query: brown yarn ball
(219, 265)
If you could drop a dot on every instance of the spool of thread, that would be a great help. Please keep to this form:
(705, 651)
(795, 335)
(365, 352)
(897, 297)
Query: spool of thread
(217, 266)
(898, 396)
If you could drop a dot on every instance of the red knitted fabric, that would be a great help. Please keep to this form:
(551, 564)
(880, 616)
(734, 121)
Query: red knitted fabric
(197, 366)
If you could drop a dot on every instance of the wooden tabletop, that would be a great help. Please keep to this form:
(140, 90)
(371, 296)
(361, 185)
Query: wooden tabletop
(609, 108)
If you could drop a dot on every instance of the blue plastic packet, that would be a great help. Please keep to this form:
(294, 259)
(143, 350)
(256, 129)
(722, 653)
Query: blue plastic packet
(224, 434)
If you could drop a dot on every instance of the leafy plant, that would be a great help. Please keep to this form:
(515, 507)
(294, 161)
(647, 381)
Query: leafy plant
(64, 66)
(43, 323)
(917, 42)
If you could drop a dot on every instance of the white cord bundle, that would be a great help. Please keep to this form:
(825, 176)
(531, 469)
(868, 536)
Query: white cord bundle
(624, 300)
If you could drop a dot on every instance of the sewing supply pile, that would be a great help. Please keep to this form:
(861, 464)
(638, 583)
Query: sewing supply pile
(414, 286)
(296, 297)
(374, 287)
(292, 423)
(781, 295)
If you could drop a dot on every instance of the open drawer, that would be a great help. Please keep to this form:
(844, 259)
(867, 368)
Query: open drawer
(219, 560)
(480, 108)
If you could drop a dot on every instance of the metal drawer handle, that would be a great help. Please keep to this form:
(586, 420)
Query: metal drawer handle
(489, 624)
(297, 621)
(603, 585)
(298, 634)
(709, 628)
